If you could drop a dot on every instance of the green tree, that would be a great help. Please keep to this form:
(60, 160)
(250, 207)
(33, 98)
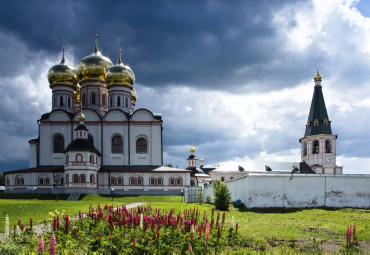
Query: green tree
(169, 165)
(221, 195)
(2, 179)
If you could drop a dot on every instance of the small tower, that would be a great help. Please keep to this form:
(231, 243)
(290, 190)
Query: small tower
(82, 160)
(192, 159)
(318, 146)
(63, 80)
(120, 82)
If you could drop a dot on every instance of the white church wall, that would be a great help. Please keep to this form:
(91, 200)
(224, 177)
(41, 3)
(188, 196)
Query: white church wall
(135, 133)
(156, 146)
(33, 155)
(109, 132)
(283, 190)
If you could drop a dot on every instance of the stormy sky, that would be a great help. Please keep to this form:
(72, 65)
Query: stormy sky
(233, 77)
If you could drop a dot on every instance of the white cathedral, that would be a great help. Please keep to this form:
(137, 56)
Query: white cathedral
(94, 140)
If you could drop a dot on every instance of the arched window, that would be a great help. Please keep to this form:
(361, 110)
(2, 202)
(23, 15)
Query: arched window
(41, 181)
(141, 146)
(316, 122)
(61, 103)
(67, 178)
(192, 183)
(83, 99)
(104, 100)
(92, 178)
(117, 144)
(7, 182)
(67, 159)
(222, 179)
(139, 181)
(96, 160)
(328, 146)
(126, 102)
(118, 101)
(304, 149)
(132, 181)
(119, 181)
(112, 181)
(172, 181)
(69, 102)
(159, 181)
(19, 180)
(75, 178)
(58, 144)
(315, 148)
(93, 98)
(326, 122)
(78, 158)
(110, 101)
(152, 181)
(179, 181)
(54, 101)
(83, 178)
(91, 159)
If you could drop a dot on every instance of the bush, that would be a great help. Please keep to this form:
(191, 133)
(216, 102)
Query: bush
(209, 199)
(222, 195)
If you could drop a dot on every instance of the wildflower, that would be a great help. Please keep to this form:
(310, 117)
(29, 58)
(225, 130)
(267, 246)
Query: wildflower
(51, 214)
(19, 221)
(52, 244)
(31, 224)
(58, 223)
(134, 242)
(207, 234)
(223, 218)
(56, 212)
(67, 224)
(232, 222)
(141, 221)
(190, 249)
(236, 227)
(100, 237)
(110, 238)
(22, 227)
(41, 245)
(218, 231)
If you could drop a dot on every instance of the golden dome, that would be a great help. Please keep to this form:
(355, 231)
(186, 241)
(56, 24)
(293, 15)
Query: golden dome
(81, 116)
(94, 66)
(133, 96)
(192, 149)
(317, 76)
(62, 74)
(120, 74)
(201, 160)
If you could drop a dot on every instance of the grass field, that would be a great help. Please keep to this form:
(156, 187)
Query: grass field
(258, 225)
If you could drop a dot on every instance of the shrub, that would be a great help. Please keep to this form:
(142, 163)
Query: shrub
(200, 197)
(222, 195)
(209, 199)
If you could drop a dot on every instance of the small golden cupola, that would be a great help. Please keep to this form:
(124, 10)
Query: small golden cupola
(94, 66)
(317, 76)
(192, 149)
(62, 74)
(133, 96)
(120, 74)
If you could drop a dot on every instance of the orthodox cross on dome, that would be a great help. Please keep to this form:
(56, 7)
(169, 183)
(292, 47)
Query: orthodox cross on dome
(64, 50)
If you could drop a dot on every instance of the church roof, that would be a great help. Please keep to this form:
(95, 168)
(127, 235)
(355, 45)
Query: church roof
(82, 145)
(140, 169)
(318, 112)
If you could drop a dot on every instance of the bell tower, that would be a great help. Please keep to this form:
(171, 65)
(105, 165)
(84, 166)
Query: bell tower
(318, 146)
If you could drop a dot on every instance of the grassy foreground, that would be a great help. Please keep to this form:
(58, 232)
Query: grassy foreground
(263, 228)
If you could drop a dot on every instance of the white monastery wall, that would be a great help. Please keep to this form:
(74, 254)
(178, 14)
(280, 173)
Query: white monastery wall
(304, 190)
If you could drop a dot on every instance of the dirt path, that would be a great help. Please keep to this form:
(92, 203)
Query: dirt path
(40, 228)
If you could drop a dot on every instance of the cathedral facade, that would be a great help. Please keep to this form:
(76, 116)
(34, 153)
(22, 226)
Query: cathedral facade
(94, 140)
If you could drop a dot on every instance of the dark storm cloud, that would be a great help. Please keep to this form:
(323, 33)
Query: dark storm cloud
(197, 43)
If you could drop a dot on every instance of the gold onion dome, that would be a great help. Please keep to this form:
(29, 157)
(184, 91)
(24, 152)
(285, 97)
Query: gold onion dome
(192, 149)
(133, 96)
(201, 160)
(94, 66)
(120, 74)
(62, 74)
(81, 116)
(317, 76)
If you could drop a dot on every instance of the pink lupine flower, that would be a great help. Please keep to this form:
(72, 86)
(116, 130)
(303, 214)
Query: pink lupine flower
(67, 224)
(134, 242)
(223, 218)
(236, 227)
(58, 223)
(100, 237)
(31, 224)
(19, 222)
(41, 245)
(192, 236)
(208, 227)
(190, 249)
(52, 244)
(22, 227)
(218, 231)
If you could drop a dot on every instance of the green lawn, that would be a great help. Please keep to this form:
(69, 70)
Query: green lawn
(258, 225)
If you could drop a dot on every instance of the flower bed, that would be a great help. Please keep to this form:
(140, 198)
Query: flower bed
(119, 230)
